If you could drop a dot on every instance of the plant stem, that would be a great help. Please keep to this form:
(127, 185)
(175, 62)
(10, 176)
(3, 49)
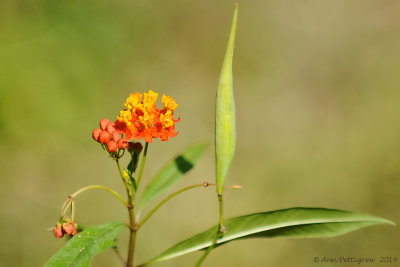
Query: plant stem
(205, 254)
(132, 236)
(142, 165)
(205, 184)
(72, 209)
(116, 250)
(219, 234)
(132, 221)
(89, 187)
(222, 228)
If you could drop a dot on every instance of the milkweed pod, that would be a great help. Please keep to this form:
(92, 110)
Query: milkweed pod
(225, 129)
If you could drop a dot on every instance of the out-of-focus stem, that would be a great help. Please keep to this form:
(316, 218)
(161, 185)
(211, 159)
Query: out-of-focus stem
(89, 187)
(205, 254)
(205, 184)
(142, 164)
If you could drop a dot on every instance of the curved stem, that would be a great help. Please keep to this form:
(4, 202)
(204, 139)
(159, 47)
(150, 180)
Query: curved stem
(142, 165)
(116, 250)
(64, 206)
(89, 187)
(69, 203)
(205, 184)
(121, 173)
(72, 209)
(219, 234)
(205, 254)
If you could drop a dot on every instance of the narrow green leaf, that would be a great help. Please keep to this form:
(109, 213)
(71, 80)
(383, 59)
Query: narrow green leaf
(80, 250)
(172, 172)
(225, 129)
(293, 222)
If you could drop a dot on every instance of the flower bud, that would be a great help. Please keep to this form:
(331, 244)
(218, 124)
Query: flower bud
(104, 123)
(104, 137)
(123, 143)
(96, 134)
(116, 136)
(131, 146)
(112, 146)
(70, 228)
(110, 127)
(58, 231)
(135, 147)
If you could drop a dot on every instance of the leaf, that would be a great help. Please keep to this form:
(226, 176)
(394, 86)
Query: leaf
(80, 250)
(293, 222)
(172, 172)
(225, 129)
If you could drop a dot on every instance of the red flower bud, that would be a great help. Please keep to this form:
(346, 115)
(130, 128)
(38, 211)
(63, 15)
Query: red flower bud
(137, 147)
(96, 134)
(104, 137)
(110, 127)
(116, 136)
(103, 123)
(69, 228)
(58, 231)
(112, 146)
(123, 143)
(131, 146)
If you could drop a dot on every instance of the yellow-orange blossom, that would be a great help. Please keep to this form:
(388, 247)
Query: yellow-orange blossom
(142, 119)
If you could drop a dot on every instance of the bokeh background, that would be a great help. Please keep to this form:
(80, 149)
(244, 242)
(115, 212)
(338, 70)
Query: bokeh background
(317, 95)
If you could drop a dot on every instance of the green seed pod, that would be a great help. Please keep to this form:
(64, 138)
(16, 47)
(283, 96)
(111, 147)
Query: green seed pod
(225, 128)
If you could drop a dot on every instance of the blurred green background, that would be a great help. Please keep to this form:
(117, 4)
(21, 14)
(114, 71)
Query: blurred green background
(317, 95)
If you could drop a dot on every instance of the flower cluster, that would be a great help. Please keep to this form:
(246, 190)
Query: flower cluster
(65, 228)
(108, 136)
(142, 119)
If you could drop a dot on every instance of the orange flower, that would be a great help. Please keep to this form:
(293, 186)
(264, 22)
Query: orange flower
(142, 119)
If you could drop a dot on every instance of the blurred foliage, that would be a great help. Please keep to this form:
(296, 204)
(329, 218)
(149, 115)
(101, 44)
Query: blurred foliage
(316, 87)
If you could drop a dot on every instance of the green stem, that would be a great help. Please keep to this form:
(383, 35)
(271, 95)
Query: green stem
(205, 184)
(142, 165)
(219, 234)
(205, 254)
(222, 228)
(132, 221)
(64, 206)
(72, 209)
(116, 250)
(132, 235)
(89, 187)
(121, 174)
